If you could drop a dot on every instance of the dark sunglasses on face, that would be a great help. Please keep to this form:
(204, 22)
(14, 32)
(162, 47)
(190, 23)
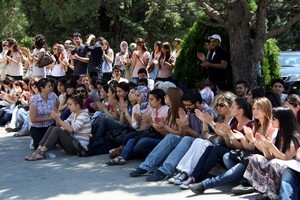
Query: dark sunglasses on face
(220, 105)
(80, 91)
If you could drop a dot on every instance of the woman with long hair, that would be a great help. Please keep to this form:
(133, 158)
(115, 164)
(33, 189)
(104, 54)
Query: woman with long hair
(263, 171)
(13, 60)
(108, 59)
(67, 133)
(262, 112)
(59, 67)
(37, 55)
(152, 66)
(140, 59)
(293, 102)
(162, 126)
(165, 63)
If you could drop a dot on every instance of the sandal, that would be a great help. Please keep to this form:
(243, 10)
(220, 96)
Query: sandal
(37, 155)
(21, 134)
(117, 161)
(33, 153)
(113, 153)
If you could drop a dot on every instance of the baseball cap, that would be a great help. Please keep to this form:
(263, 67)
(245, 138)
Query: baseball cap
(215, 36)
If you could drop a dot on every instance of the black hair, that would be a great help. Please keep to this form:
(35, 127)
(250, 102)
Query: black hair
(243, 104)
(143, 80)
(132, 84)
(71, 84)
(257, 92)
(105, 88)
(94, 81)
(63, 81)
(84, 87)
(294, 100)
(288, 129)
(39, 41)
(76, 35)
(77, 99)
(192, 96)
(274, 98)
(124, 86)
(42, 83)
(142, 70)
(277, 80)
(159, 94)
(245, 84)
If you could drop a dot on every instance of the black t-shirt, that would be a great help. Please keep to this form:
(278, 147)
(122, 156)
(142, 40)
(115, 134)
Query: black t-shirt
(80, 67)
(216, 56)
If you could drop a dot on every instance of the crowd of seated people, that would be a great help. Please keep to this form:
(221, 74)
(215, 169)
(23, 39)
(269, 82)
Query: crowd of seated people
(116, 106)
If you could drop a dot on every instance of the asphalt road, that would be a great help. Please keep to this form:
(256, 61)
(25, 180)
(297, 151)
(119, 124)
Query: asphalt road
(71, 177)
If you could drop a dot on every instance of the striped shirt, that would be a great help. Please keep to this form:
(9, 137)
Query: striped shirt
(43, 108)
(81, 125)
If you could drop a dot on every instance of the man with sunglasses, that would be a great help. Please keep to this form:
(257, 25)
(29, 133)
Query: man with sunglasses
(167, 154)
(217, 62)
(81, 91)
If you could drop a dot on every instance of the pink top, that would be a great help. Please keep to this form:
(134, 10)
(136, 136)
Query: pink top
(165, 71)
(138, 64)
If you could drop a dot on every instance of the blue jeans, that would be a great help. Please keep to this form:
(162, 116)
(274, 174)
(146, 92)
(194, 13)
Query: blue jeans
(289, 185)
(105, 124)
(25, 126)
(160, 152)
(235, 173)
(169, 165)
(139, 148)
(208, 160)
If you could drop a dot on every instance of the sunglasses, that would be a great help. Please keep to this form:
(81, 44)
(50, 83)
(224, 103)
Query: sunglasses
(80, 91)
(221, 105)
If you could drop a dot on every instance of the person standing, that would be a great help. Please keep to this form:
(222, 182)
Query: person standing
(13, 60)
(2, 59)
(217, 63)
(140, 59)
(78, 56)
(96, 56)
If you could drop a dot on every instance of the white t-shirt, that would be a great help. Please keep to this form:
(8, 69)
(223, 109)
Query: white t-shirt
(106, 65)
(36, 71)
(57, 70)
(14, 69)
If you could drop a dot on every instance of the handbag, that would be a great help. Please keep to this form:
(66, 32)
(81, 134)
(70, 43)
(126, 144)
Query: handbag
(242, 156)
(45, 61)
(117, 135)
(148, 133)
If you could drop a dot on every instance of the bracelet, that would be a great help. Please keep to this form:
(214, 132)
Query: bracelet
(126, 114)
(231, 137)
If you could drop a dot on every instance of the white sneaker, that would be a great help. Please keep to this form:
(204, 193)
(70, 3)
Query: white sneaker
(181, 178)
(172, 179)
(185, 184)
(31, 144)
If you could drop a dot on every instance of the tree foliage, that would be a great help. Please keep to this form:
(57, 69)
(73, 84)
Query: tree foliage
(114, 20)
(12, 21)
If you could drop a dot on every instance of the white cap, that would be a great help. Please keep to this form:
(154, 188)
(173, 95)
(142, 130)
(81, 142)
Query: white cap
(215, 36)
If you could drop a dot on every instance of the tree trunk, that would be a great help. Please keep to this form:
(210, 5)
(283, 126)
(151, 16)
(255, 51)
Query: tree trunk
(241, 56)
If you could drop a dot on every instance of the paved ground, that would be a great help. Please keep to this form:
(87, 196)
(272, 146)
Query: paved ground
(70, 177)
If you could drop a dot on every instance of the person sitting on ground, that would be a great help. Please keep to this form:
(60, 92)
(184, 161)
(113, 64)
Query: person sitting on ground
(135, 145)
(75, 129)
(166, 152)
(268, 167)
(40, 107)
